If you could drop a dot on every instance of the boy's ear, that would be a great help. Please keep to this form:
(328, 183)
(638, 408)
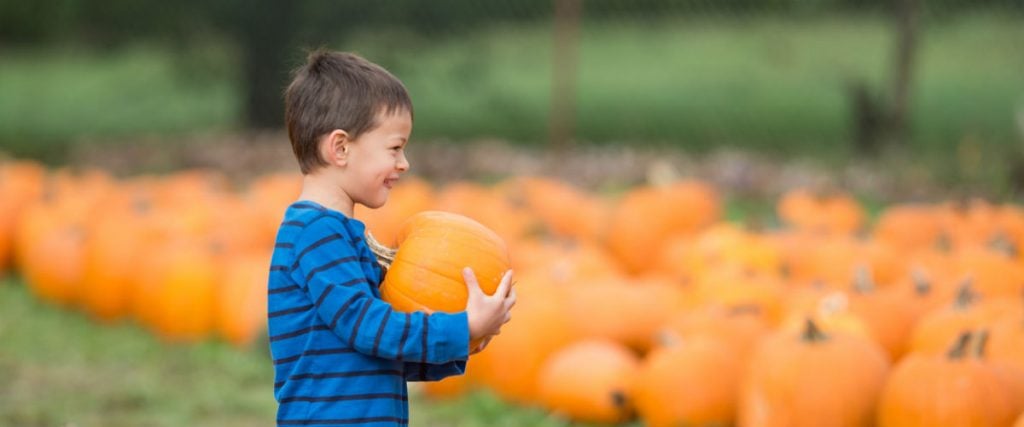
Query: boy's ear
(336, 147)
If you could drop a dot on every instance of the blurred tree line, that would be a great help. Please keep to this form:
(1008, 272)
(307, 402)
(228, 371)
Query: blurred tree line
(270, 35)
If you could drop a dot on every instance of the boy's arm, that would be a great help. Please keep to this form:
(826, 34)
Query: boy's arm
(415, 371)
(329, 266)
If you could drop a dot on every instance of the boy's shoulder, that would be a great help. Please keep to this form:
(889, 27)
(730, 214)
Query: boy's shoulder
(304, 217)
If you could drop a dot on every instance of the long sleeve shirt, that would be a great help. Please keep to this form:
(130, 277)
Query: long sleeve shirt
(341, 354)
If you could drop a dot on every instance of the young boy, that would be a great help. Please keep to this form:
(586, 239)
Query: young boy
(342, 355)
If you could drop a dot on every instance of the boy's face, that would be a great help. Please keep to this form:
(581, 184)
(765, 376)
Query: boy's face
(377, 158)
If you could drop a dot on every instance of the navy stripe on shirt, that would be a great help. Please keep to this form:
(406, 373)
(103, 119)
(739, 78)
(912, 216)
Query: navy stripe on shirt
(315, 352)
(346, 374)
(359, 321)
(352, 299)
(346, 397)
(380, 332)
(290, 310)
(423, 358)
(282, 289)
(330, 265)
(314, 245)
(405, 335)
(304, 205)
(299, 332)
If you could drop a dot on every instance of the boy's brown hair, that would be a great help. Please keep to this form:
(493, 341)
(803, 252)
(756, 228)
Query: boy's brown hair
(337, 90)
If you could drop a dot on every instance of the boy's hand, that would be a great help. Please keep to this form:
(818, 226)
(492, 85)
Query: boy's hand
(482, 346)
(487, 313)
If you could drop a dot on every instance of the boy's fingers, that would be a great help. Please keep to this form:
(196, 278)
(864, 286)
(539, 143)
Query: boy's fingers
(511, 300)
(505, 285)
(508, 316)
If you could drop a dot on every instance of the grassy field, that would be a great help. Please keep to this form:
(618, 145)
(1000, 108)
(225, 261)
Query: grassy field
(771, 84)
(59, 368)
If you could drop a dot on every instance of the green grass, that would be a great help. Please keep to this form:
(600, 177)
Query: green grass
(766, 83)
(52, 98)
(59, 368)
(774, 84)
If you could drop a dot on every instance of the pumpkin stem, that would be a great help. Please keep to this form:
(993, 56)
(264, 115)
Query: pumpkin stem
(922, 284)
(812, 333)
(862, 281)
(618, 398)
(944, 243)
(1002, 244)
(385, 255)
(959, 349)
(668, 338)
(744, 309)
(980, 341)
(965, 295)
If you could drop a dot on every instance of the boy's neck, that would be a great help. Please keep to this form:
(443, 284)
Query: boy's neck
(321, 189)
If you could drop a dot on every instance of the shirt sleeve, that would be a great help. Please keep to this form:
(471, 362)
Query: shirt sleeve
(415, 371)
(329, 266)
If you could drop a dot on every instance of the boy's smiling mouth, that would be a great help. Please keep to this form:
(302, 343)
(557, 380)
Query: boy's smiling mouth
(389, 182)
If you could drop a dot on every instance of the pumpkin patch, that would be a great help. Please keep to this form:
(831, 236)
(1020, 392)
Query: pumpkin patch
(642, 306)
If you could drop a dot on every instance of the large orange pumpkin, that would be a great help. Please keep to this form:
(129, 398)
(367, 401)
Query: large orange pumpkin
(955, 389)
(433, 248)
(813, 380)
(692, 383)
(510, 365)
(646, 218)
(590, 381)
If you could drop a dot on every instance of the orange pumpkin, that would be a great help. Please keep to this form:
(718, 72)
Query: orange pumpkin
(821, 211)
(938, 329)
(433, 248)
(812, 379)
(116, 242)
(693, 383)
(740, 327)
(241, 303)
(647, 217)
(955, 389)
(600, 309)
(907, 226)
(565, 210)
(590, 381)
(178, 299)
(1007, 341)
(50, 250)
(20, 184)
(509, 366)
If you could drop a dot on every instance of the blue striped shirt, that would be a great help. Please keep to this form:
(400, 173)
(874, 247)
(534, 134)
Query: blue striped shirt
(342, 355)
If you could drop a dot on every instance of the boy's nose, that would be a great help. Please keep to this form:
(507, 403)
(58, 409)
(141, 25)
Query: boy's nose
(403, 163)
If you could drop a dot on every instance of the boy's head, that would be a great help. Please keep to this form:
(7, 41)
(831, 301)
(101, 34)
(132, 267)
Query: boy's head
(338, 90)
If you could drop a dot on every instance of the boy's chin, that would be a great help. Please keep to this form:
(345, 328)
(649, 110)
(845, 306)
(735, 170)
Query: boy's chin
(375, 204)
